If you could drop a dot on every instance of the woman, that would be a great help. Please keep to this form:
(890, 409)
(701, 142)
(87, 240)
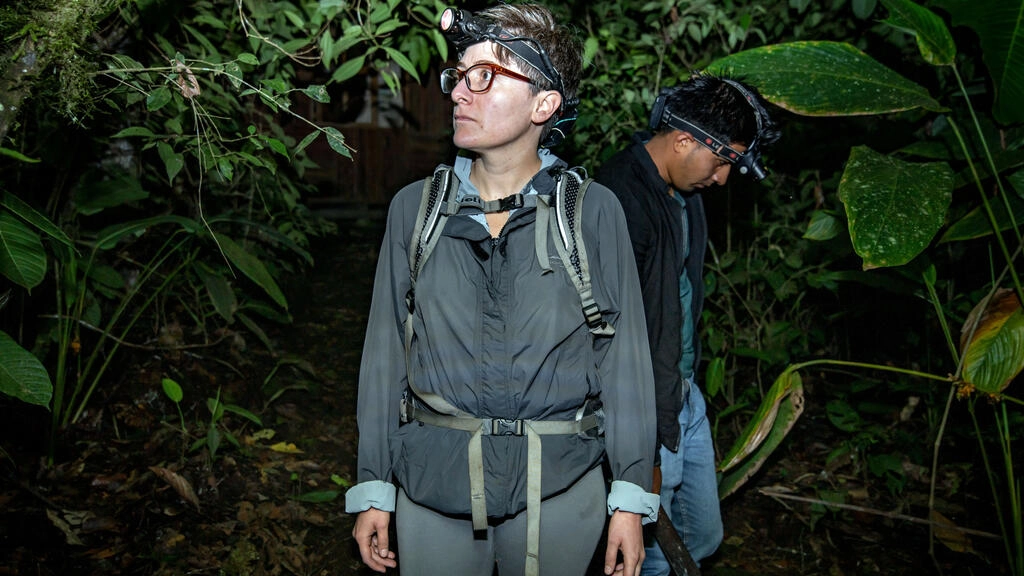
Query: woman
(477, 388)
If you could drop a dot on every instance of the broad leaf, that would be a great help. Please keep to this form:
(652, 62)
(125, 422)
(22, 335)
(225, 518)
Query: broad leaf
(173, 161)
(775, 417)
(999, 25)
(995, 354)
(22, 257)
(22, 375)
(823, 226)
(336, 140)
(251, 267)
(349, 69)
(219, 289)
(894, 208)
(824, 79)
(933, 38)
(35, 218)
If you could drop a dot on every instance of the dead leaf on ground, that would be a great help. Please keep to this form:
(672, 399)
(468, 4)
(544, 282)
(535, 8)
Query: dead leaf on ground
(182, 486)
(945, 530)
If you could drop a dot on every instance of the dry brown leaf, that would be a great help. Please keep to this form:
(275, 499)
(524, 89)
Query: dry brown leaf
(187, 83)
(69, 534)
(179, 483)
(954, 539)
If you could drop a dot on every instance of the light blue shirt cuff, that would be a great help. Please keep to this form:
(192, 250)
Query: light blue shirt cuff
(629, 497)
(372, 494)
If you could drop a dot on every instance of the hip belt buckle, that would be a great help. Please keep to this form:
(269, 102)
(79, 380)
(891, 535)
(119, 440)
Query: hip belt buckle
(506, 427)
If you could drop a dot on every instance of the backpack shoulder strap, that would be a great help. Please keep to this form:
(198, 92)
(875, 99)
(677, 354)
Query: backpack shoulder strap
(567, 228)
(430, 217)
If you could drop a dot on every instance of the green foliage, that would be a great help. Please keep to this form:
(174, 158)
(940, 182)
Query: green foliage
(182, 202)
(895, 207)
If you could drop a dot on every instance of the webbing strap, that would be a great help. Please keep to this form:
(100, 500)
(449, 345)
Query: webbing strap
(534, 429)
(568, 226)
(540, 228)
(429, 218)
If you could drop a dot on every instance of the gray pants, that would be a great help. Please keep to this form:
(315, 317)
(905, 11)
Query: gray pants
(430, 544)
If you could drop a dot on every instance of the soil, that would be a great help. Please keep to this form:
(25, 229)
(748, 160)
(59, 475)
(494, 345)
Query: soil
(125, 494)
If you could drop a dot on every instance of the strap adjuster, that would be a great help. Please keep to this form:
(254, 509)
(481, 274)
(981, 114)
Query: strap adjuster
(505, 427)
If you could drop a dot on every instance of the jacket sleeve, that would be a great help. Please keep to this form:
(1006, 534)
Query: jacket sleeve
(623, 360)
(382, 376)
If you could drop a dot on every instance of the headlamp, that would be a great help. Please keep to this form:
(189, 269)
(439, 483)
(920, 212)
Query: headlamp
(747, 163)
(463, 30)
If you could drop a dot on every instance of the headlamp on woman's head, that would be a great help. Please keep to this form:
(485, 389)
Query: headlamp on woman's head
(463, 30)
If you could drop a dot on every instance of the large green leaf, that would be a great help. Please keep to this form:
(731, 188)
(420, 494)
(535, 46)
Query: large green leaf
(999, 25)
(824, 79)
(251, 267)
(933, 38)
(35, 218)
(22, 375)
(894, 208)
(22, 257)
(779, 410)
(995, 355)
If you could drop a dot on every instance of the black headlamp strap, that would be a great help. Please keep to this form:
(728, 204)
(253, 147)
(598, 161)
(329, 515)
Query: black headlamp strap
(530, 52)
(720, 148)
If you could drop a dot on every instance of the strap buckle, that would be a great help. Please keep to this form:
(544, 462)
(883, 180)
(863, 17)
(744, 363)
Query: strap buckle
(506, 427)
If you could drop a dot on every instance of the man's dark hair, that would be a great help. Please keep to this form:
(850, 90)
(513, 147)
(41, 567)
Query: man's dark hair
(721, 110)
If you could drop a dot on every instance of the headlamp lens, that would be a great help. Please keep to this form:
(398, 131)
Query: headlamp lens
(448, 18)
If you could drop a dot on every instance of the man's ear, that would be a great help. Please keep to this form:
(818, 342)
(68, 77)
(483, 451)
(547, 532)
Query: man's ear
(547, 104)
(682, 140)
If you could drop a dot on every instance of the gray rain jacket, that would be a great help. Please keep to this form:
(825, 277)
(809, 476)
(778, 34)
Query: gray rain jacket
(497, 337)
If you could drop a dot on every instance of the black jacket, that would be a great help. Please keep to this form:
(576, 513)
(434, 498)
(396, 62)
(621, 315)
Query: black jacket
(656, 229)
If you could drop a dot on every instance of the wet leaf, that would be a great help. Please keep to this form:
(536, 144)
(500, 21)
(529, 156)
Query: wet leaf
(824, 79)
(894, 208)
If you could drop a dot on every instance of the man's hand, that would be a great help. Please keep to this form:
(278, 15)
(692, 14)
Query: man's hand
(371, 534)
(625, 534)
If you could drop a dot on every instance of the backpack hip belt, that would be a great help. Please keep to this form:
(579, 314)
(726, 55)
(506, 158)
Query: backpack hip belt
(533, 430)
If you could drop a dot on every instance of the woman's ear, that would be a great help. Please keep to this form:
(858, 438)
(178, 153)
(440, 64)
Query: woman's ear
(547, 104)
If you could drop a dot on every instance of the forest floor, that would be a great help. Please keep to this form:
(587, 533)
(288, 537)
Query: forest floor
(125, 494)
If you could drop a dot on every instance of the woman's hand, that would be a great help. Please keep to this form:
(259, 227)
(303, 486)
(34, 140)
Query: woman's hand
(625, 535)
(371, 533)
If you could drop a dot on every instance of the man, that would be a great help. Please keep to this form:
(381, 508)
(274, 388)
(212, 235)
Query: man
(481, 364)
(703, 130)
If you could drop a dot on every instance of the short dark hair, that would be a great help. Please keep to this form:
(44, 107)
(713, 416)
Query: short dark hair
(561, 43)
(721, 110)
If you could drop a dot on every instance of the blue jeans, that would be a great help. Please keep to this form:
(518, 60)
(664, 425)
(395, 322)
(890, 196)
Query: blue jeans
(689, 486)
